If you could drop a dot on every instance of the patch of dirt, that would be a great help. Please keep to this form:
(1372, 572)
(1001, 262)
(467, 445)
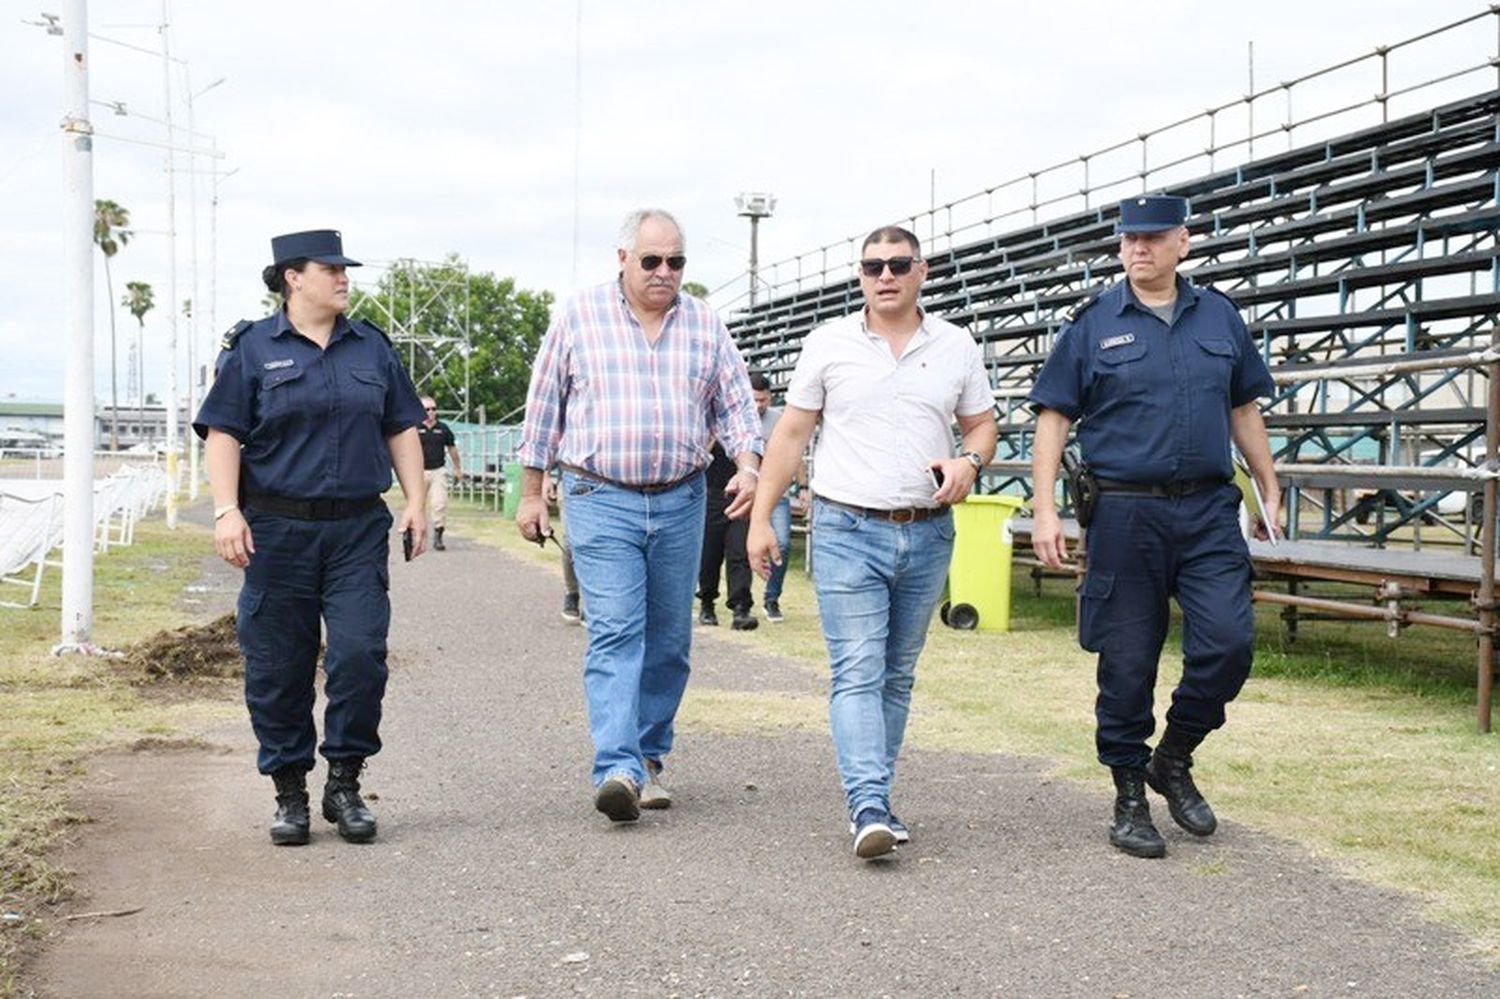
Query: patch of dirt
(206, 651)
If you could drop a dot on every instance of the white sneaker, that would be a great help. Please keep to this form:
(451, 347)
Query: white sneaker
(654, 794)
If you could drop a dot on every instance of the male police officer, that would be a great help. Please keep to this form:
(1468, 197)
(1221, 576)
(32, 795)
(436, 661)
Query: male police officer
(1160, 375)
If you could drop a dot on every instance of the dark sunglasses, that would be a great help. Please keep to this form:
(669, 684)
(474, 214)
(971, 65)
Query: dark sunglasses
(900, 266)
(652, 261)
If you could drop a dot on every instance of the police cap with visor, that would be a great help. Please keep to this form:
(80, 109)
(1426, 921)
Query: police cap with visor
(324, 246)
(1151, 213)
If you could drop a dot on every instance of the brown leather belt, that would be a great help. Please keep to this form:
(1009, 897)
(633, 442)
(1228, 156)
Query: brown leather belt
(906, 515)
(649, 489)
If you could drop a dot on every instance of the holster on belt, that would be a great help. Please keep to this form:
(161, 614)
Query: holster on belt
(1082, 489)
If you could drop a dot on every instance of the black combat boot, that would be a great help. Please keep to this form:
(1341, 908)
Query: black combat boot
(290, 827)
(1132, 831)
(342, 803)
(1170, 775)
(438, 542)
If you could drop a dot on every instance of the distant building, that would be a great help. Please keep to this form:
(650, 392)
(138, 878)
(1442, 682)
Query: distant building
(39, 425)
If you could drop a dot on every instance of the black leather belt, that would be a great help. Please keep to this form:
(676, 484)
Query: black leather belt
(651, 488)
(315, 509)
(907, 515)
(1174, 489)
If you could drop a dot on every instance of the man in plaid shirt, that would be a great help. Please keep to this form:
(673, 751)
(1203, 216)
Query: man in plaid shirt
(632, 383)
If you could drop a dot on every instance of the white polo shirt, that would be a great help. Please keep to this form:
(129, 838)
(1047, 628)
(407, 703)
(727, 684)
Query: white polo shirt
(886, 419)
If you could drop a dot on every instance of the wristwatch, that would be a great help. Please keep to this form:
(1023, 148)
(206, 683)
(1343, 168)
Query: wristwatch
(974, 460)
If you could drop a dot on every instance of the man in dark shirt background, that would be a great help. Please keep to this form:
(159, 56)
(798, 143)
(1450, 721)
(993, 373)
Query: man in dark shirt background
(436, 436)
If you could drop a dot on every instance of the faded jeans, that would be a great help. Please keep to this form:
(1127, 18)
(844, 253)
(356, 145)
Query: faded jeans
(877, 585)
(635, 555)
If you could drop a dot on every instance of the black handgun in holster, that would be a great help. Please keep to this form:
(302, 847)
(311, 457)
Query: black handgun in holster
(1083, 489)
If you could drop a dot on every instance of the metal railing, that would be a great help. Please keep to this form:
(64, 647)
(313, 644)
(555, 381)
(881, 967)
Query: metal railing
(1204, 142)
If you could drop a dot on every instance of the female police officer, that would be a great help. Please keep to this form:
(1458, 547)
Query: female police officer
(308, 413)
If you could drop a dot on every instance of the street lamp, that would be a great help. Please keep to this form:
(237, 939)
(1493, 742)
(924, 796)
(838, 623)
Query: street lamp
(754, 206)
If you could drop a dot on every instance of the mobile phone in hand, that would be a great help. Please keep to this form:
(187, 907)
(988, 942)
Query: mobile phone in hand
(406, 543)
(936, 475)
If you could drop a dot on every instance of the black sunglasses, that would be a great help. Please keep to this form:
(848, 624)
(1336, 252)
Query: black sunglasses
(652, 261)
(900, 266)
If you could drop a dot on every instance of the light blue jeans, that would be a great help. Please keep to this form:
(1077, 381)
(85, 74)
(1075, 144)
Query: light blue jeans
(877, 585)
(635, 555)
(781, 525)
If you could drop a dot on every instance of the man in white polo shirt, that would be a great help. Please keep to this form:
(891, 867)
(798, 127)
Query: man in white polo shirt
(887, 383)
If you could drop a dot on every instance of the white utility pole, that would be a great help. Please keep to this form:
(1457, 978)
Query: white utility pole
(195, 323)
(78, 411)
(172, 303)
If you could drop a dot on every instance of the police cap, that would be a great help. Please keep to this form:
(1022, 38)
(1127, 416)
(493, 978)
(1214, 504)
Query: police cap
(326, 246)
(1151, 213)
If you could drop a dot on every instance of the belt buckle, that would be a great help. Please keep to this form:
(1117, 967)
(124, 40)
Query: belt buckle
(905, 516)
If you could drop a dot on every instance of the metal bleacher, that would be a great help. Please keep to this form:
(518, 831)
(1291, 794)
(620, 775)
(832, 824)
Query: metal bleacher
(1368, 267)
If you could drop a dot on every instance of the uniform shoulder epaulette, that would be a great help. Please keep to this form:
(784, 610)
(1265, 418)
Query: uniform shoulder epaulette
(370, 325)
(232, 335)
(1222, 294)
(1081, 306)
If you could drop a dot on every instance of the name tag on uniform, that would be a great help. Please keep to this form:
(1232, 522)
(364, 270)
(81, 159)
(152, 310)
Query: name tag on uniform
(285, 363)
(1116, 341)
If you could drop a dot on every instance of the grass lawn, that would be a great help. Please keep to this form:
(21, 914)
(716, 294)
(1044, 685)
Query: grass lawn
(54, 711)
(1358, 747)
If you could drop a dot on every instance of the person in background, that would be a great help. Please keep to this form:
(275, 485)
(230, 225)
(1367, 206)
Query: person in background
(437, 438)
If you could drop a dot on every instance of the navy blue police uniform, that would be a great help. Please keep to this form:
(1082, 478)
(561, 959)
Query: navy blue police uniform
(312, 425)
(1151, 400)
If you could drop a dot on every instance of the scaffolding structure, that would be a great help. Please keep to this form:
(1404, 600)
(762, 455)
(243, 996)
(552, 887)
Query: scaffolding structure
(424, 307)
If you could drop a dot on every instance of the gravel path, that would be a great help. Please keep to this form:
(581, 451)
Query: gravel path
(493, 876)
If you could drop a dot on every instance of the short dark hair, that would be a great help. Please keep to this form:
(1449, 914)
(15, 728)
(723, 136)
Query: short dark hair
(893, 234)
(274, 275)
(760, 382)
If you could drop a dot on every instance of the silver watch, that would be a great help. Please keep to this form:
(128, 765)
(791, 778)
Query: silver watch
(974, 459)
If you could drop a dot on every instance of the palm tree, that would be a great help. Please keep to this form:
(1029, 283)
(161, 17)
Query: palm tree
(110, 235)
(139, 299)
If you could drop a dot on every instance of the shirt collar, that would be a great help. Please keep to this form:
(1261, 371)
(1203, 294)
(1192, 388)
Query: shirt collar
(922, 334)
(1187, 295)
(341, 325)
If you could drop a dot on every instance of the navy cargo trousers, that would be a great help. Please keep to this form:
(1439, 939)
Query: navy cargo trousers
(305, 573)
(1142, 551)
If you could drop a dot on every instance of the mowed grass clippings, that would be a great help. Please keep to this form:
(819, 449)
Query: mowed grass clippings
(1359, 747)
(56, 710)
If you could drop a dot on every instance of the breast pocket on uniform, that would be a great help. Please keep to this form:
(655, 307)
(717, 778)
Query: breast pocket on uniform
(280, 391)
(369, 389)
(1215, 361)
(1118, 368)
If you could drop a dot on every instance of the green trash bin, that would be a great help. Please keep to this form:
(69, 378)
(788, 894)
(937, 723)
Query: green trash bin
(513, 474)
(979, 575)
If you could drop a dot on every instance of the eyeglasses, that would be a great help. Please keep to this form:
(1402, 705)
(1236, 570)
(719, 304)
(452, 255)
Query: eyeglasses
(900, 266)
(652, 261)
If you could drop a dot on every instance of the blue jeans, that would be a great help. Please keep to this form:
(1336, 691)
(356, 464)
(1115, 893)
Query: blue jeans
(781, 524)
(877, 585)
(635, 555)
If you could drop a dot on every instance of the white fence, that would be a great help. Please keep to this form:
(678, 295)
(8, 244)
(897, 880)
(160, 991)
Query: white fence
(31, 515)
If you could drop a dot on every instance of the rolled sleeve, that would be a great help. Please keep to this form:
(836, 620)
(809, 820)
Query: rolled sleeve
(546, 399)
(227, 406)
(736, 420)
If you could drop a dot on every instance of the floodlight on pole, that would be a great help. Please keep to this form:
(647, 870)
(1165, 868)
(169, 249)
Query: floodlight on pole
(754, 206)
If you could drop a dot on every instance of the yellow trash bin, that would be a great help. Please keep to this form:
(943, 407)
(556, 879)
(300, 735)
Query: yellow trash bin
(979, 575)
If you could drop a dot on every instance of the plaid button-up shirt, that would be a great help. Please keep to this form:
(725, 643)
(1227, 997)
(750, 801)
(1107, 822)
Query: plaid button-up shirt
(604, 399)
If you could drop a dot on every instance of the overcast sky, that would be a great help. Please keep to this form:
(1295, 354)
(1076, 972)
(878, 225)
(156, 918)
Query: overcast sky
(451, 126)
